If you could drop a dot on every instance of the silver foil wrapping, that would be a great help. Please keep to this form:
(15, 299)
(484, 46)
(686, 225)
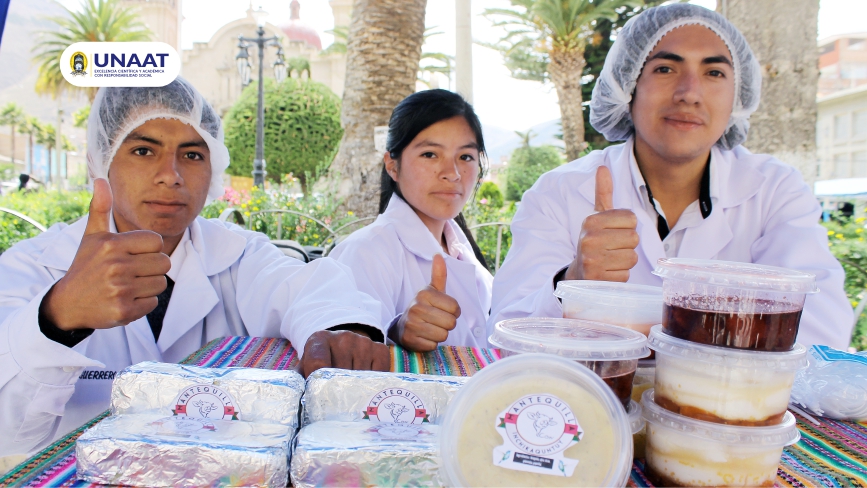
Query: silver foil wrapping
(333, 453)
(337, 394)
(151, 450)
(246, 394)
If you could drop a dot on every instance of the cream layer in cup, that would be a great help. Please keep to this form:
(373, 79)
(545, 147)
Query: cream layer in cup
(723, 385)
(681, 451)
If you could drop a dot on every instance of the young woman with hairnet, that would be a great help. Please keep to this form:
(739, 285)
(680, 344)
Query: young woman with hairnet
(678, 86)
(142, 277)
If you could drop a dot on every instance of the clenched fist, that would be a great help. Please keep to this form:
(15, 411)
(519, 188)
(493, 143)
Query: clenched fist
(114, 279)
(606, 248)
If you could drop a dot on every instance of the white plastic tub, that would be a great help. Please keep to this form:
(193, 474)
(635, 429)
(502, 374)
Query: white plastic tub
(636, 307)
(681, 451)
(723, 385)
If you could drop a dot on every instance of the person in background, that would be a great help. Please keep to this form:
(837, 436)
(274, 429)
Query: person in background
(418, 259)
(143, 278)
(23, 178)
(678, 86)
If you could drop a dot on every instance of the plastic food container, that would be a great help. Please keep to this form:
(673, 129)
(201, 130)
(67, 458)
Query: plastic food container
(518, 422)
(739, 305)
(724, 385)
(685, 452)
(636, 307)
(636, 423)
(610, 351)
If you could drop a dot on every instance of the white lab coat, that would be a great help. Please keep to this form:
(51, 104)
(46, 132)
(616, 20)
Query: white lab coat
(392, 258)
(765, 214)
(231, 282)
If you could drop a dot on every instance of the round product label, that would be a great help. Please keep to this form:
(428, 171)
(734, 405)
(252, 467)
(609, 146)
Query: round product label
(536, 429)
(396, 405)
(205, 402)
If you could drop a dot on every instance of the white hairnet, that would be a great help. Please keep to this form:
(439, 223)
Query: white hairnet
(609, 105)
(117, 111)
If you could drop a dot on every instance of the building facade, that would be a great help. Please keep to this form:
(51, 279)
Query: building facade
(210, 66)
(842, 63)
(162, 17)
(841, 135)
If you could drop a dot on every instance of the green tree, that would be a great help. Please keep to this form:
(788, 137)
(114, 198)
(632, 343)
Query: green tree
(79, 117)
(98, 21)
(30, 126)
(546, 41)
(302, 129)
(846, 241)
(489, 194)
(12, 115)
(594, 55)
(526, 165)
(341, 33)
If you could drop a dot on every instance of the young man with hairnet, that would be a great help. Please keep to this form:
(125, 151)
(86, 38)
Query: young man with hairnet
(142, 277)
(678, 86)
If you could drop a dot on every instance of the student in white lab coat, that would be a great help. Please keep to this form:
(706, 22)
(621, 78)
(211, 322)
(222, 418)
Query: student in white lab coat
(143, 278)
(418, 258)
(678, 86)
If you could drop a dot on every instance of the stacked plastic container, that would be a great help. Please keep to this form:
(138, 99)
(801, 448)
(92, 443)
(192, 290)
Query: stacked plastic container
(726, 360)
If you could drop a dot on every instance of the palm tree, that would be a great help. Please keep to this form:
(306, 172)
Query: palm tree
(98, 21)
(382, 56)
(79, 117)
(30, 126)
(12, 115)
(549, 37)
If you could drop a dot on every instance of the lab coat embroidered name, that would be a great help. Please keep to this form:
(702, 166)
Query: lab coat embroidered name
(97, 375)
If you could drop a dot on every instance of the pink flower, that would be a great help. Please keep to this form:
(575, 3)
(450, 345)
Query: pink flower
(483, 201)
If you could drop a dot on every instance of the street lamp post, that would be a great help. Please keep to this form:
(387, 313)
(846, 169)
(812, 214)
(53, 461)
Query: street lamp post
(244, 69)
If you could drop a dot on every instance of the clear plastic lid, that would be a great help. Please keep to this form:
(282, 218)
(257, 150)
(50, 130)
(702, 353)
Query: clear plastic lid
(608, 293)
(575, 339)
(783, 434)
(663, 343)
(604, 453)
(636, 419)
(736, 275)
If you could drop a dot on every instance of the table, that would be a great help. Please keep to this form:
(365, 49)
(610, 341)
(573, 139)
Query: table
(831, 454)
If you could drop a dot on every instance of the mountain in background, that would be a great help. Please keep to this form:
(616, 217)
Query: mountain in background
(501, 142)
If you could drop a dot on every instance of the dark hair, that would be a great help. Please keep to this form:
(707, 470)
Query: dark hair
(416, 113)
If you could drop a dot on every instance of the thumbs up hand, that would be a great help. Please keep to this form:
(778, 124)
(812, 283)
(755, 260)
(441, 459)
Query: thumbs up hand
(431, 315)
(606, 247)
(113, 279)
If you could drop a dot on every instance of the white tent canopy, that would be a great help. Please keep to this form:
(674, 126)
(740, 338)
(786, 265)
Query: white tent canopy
(844, 187)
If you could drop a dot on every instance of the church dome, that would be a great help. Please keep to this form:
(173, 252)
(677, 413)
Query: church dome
(297, 30)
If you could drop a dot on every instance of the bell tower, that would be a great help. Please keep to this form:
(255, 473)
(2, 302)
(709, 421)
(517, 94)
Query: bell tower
(162, 17)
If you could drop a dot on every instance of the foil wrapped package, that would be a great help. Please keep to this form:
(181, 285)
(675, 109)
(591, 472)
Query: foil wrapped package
(152, 450)
(337, 394)
(333, 453)
(246, 394)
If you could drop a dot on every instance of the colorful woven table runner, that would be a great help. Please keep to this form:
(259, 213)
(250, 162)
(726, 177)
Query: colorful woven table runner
(832, 454)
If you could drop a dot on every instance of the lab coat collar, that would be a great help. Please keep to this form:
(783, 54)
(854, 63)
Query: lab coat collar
(211, 249)
(733, 181)
(217, 246)
(412, 232)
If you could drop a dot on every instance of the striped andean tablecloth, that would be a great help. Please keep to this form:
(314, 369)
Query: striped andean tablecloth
(832, 454)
